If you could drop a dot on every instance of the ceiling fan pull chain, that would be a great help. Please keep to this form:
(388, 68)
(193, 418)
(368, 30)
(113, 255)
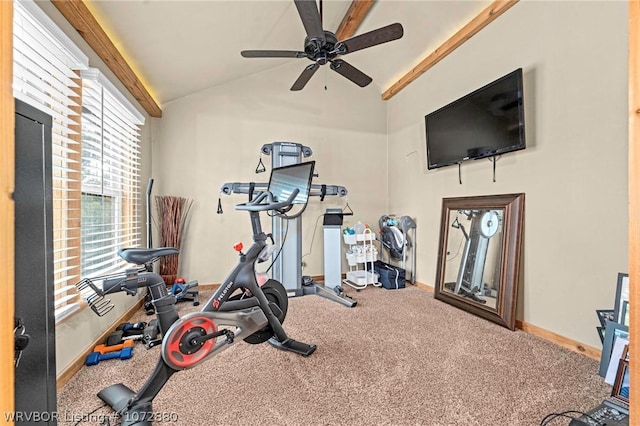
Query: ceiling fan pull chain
(325, 79)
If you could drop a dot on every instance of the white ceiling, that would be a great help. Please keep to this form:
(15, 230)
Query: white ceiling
(181, 47)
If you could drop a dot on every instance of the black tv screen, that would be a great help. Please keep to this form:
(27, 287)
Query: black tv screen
(484, 123)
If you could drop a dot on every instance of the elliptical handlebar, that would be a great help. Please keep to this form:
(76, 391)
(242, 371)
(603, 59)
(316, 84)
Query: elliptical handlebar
(265, 201)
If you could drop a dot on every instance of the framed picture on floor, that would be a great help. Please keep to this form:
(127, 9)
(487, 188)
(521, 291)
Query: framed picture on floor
(605, 315)
(601, 334)
(625, 312)
(613, 331)
(622, 295)
(618, 353)
(620, 389)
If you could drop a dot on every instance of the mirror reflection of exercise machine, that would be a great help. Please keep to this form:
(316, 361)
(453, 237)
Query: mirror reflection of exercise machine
(484, 225)
(287, 267)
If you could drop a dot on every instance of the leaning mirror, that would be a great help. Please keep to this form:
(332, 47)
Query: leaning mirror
(479, 255)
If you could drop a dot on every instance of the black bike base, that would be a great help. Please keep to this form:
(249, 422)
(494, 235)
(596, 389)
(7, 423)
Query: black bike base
(117, 397)
(335, 295)
(293, 346)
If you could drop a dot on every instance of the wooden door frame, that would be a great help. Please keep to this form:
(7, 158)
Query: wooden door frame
(7, 147)
(634, 200)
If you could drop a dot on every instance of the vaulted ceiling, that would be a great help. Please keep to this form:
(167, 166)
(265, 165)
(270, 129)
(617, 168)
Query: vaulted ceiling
(181, 47)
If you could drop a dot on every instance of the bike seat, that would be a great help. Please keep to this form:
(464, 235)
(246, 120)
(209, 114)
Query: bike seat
(140, 256)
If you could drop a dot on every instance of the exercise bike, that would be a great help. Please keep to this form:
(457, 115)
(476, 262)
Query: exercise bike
(254, 314)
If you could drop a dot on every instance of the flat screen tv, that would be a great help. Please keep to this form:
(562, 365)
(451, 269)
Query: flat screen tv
(484, 123)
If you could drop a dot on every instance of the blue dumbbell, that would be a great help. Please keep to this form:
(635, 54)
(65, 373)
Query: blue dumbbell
(95, 357)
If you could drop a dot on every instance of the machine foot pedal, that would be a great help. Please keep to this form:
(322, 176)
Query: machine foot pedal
(116, 396)
(293, 346)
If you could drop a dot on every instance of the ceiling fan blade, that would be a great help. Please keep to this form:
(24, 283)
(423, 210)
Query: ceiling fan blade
(349, 71)
(372, 38)
(306, 75)
(272, 54)
(308, 11)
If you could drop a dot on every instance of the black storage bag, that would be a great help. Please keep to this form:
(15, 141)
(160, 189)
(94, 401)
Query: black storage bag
(391, 277)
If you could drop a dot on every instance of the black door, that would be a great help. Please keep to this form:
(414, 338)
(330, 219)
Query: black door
(35, 376)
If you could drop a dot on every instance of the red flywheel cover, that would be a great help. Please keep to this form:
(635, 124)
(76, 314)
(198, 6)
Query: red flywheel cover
(174, 351)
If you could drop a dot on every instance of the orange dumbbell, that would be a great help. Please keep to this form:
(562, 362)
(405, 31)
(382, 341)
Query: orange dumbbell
(103, 349)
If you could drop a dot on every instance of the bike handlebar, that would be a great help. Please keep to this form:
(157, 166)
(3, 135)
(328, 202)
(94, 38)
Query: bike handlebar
(259, 204)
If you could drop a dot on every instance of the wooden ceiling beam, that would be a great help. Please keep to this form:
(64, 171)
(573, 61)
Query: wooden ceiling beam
(353, 18)
(81, 18)
(488, 15)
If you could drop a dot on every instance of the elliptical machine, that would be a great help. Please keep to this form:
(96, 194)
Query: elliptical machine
(484, 225)
(254, 313)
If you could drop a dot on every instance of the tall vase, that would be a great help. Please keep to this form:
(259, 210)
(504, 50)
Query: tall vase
(172, 215)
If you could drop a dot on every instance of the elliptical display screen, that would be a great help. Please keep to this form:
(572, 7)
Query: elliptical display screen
(284, 180)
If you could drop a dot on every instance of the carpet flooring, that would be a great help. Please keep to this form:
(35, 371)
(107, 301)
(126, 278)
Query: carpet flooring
(399, 357)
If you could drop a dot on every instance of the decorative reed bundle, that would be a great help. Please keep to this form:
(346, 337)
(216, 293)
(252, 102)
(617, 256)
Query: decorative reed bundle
(172, 216)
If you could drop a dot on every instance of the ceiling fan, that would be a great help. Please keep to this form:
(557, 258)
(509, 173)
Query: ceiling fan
(321, 46)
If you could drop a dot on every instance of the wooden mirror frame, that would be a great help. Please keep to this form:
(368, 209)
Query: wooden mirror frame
(513, 207)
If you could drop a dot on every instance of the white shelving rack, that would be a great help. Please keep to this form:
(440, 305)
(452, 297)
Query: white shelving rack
(361, 255)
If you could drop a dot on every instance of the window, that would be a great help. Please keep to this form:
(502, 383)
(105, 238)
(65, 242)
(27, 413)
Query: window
(98, 213)
(111, 211)
(46, 65)
(95, 152)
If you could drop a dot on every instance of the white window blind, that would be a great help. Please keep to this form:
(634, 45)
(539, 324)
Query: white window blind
(111, 204)
(96, 155)
(46, 65)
